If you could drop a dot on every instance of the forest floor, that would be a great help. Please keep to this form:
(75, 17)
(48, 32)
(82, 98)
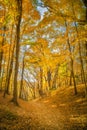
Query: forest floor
(62, 110)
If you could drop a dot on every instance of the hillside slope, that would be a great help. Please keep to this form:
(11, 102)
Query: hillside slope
(60, 111)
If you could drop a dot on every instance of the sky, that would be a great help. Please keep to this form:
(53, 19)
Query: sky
(41, 9)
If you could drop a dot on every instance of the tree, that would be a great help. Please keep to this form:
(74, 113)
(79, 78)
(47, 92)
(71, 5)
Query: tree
(85, 2)
(22, 73)
(18, 22)
(2, 37)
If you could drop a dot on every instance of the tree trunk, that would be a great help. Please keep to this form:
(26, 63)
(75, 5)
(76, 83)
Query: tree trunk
(85, 3)
(81, 60)
(70, 83)
(1, 56)
(2, 34)
(55, 77)
(21, 84)
(75, 88)
(9, 67)
(49, 79)
(72, 70)
(41, 82)
(18, 18)
(9, 73)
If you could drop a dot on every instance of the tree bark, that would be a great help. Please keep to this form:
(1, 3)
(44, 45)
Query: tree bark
(18, 18)
(72, 70)
(2, 34)
(41, 82)
(21, 84)
(49, 78)
(80, 54)
(9, 66)
(1, 57)
(55, 77)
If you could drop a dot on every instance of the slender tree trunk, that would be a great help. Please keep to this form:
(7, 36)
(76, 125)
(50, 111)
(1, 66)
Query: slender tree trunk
(41, 82)
(2, 34)
(81, 60)
(9, 73)
(72, 70)
(70, 83)
(21, 84)
(1, 56)
(55, 77)
(9, 67)
(85, 3)
(49, 79)
(19, 11)
(75, 88)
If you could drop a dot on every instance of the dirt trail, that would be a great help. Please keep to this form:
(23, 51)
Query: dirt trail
(62, 111)
(46, 116)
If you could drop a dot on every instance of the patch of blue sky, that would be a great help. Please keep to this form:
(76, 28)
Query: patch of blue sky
(61, 29)
(41, 9)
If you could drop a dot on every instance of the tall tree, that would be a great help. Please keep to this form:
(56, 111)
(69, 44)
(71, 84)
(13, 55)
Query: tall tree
(18, 22)
(2, 36)
(22, 74)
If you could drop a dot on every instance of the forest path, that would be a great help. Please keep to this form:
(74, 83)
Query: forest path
(45, 115)
(60, 111)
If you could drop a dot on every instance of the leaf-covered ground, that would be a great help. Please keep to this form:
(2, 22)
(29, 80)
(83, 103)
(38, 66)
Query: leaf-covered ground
(60, 111)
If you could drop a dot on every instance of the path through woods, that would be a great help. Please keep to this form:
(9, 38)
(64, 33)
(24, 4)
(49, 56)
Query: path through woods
(61, 111)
